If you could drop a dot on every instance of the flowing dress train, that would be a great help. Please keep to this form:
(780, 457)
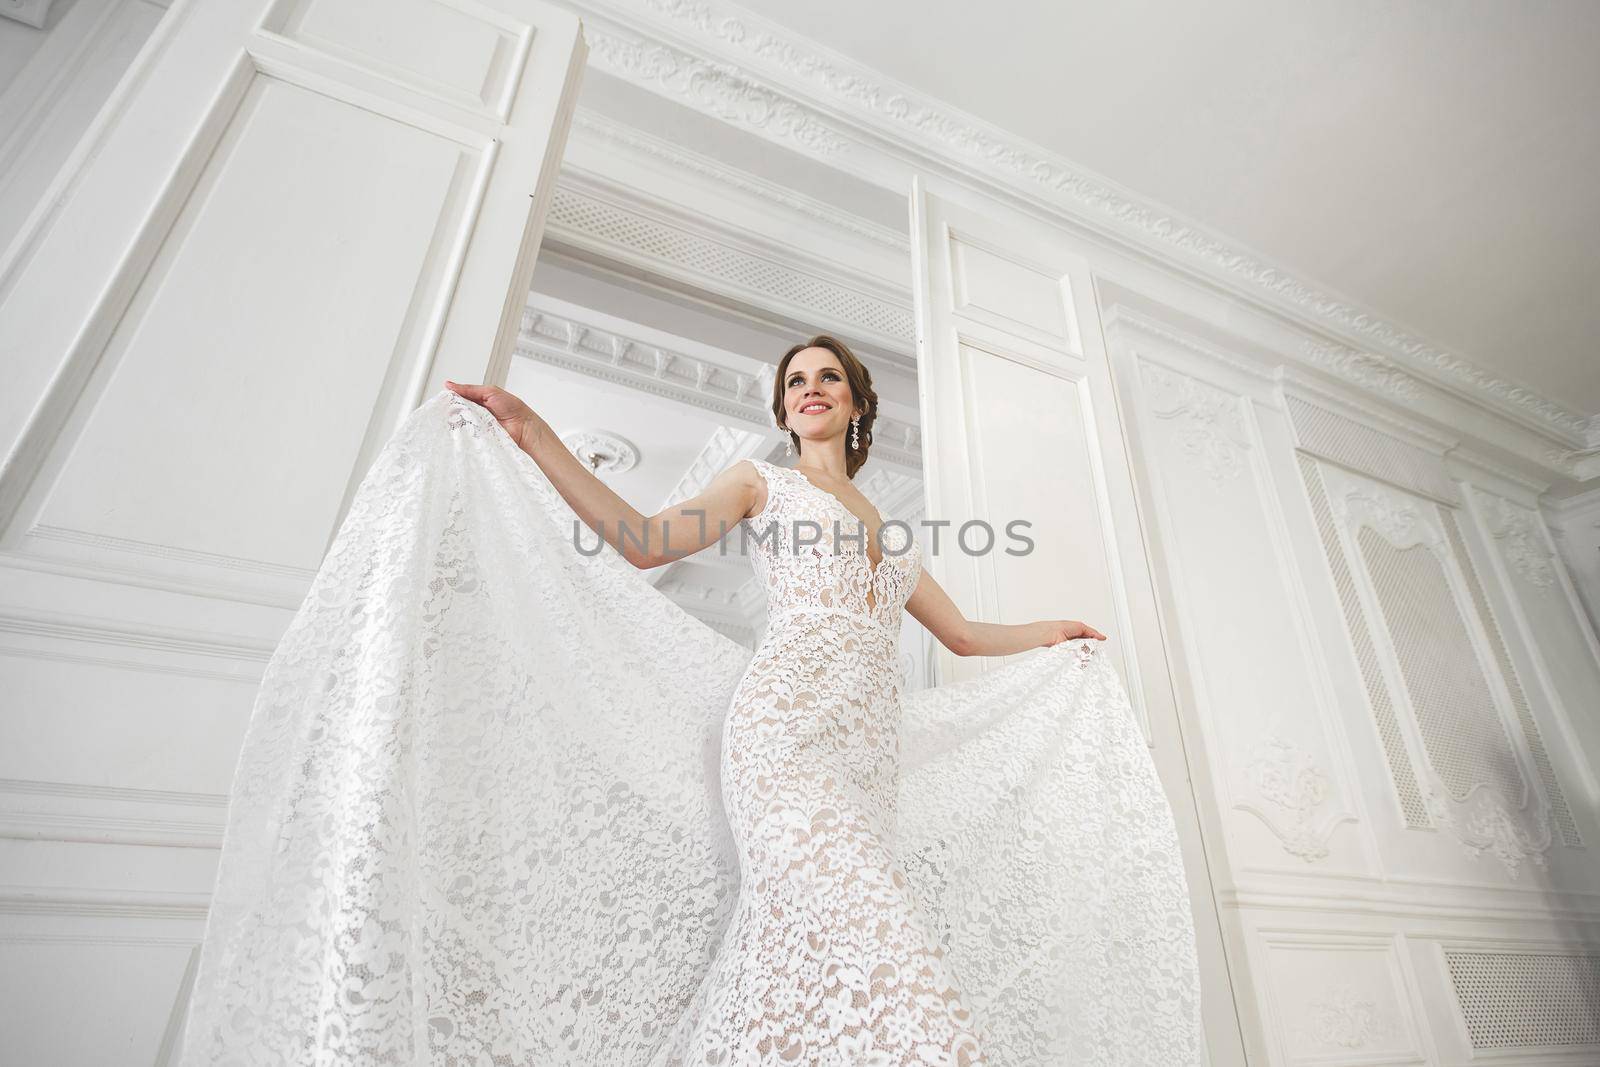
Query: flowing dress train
(502, 802)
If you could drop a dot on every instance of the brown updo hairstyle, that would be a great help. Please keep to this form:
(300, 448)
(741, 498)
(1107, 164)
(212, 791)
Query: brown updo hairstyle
(861, 392)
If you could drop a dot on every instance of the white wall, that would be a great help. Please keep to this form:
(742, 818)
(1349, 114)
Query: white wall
(1575, 525)
(104, 869)
(53, 82)
(1385, 681)
(1390, 703)
(264, 245)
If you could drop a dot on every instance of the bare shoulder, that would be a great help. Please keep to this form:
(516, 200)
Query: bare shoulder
(748, 479)
(744, 473)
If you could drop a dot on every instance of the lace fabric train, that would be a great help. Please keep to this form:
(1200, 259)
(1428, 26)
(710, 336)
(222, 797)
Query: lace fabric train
(502, 802)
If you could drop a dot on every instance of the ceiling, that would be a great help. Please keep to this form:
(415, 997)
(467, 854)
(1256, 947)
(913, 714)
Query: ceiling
(1435, 163)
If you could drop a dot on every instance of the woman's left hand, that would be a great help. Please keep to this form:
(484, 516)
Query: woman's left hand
(1059, 630)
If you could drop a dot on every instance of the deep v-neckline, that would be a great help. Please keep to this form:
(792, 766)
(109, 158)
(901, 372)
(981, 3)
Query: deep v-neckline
(872, 567)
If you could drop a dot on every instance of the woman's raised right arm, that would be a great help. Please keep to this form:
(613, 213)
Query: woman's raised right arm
(669, 535)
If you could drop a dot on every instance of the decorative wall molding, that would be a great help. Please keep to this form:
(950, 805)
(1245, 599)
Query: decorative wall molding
(1344, 1017)
(724, 61)
(725, 447)
(85, 629)
(619, 226)
(29, 12)
(1340, 997)
(1364, 369)
(602, 451)
(1470, 464)
(42, 900)
(1519, 532)
(1289, 780)
(1581, 464)
(1411, 461)
(89, 814)
(1348, 387)
(738, 613)
(720, 90)
(1126, 324)
(1430, 900)
(1213, 431)
(103, 543)
(72, 638)
(1486, 824)
(1560, 813)
(587, 123)
(1474, 750)
(1575, 529)
(1380, 700)
(1399, 520)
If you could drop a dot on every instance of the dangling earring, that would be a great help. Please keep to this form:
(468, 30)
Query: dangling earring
(855, 433)
(788, 445)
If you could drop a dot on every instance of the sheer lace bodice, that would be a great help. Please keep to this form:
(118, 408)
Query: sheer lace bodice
(836, 572)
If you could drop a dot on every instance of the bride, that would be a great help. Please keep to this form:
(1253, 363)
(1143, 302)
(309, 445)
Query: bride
(501, 801)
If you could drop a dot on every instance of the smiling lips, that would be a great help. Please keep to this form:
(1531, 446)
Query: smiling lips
(807, 409)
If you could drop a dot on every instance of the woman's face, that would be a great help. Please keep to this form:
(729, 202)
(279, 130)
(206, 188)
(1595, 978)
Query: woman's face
(816, 394)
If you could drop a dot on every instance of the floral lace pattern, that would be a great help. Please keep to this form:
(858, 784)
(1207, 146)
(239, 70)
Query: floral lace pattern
(503, 802)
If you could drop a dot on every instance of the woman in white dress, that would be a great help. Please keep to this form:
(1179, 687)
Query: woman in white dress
(640, 846)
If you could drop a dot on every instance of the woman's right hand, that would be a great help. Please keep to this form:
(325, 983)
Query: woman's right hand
(516, 418)
(1059, 630)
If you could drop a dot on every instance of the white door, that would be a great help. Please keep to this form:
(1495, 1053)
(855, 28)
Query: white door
(289, 223)
(1020, 422)
(292, 220)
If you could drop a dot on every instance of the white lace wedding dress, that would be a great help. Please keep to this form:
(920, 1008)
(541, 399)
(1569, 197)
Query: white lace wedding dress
(503, 803)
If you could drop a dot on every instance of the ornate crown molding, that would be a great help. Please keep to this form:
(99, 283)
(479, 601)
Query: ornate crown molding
(725, 447)
(720, 89)
(725, 61)
(1360, 368)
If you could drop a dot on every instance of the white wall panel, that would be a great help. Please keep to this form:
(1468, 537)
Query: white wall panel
(50, 100)
(1540, 610)
(1575, 527)
(1269, 722)
(290, 221)
(1340, 997)
(1401, 792)
(1021, 421)
(339, 165)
